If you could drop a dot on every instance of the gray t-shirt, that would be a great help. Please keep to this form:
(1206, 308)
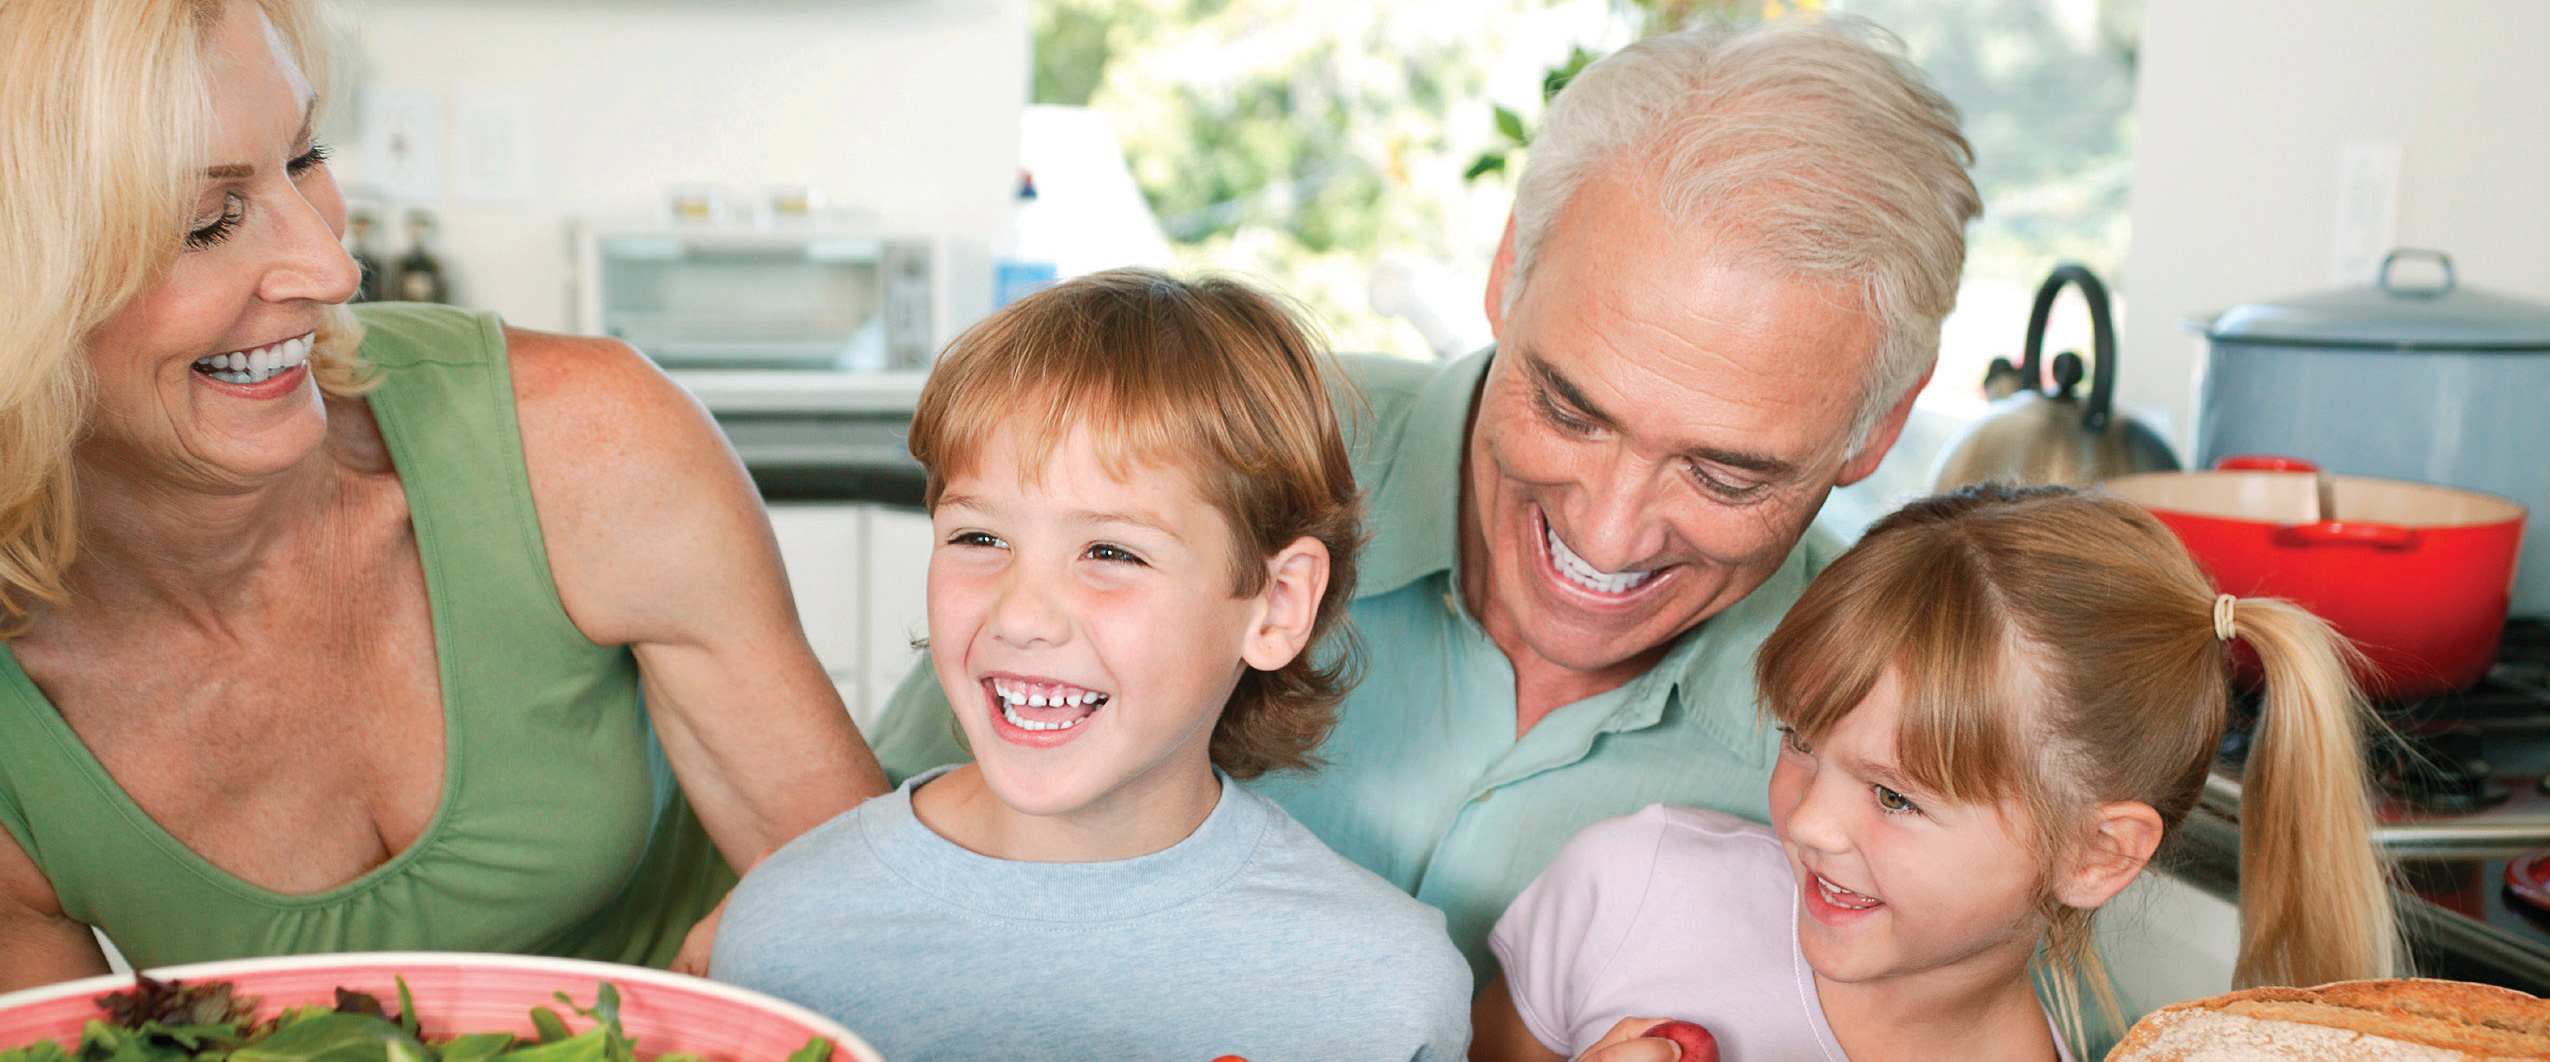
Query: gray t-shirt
(1247, 938)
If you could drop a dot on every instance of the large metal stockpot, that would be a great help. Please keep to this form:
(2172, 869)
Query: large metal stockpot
(2435, 383)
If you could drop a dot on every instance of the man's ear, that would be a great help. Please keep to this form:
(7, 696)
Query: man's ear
(1498, 271)
(1882, 436)
(2122, 838)
(1288, 606)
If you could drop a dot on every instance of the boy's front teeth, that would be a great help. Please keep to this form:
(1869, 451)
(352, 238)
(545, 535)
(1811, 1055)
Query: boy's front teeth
(1014, 696)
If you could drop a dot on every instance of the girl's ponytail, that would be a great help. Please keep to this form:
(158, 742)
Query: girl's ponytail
(2314, 898)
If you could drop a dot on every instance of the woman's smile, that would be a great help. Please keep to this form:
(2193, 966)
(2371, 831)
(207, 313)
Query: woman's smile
(259, 364)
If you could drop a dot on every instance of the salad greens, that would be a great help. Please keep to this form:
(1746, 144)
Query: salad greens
(205, 1021)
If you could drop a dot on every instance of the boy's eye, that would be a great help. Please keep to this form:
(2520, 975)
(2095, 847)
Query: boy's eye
(1105, 552)
(1895, 802)
(975, 538)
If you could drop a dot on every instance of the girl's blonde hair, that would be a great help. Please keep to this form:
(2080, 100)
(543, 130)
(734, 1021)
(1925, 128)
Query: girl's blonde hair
(2058, 651)
(104, 133)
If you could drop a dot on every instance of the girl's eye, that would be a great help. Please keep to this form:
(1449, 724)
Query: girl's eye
(1895, 802)
(233, 210)
(307, 160)
(1794, 743)
(1104, 552)
(975, 538)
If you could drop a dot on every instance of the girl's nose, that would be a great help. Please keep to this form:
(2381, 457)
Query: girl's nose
(1818, 822)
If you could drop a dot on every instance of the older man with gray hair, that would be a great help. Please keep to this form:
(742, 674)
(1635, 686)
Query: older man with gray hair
(1720, 290)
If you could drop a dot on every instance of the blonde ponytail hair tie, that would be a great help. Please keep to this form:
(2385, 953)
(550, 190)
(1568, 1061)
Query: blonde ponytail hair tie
(2223, 605)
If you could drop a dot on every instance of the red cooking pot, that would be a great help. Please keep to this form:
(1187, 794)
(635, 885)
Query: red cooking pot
(2418, 576)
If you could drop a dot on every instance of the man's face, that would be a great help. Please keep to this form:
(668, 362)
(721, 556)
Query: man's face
(1659, 427)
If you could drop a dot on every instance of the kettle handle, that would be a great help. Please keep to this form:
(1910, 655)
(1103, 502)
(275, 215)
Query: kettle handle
(2094, 413)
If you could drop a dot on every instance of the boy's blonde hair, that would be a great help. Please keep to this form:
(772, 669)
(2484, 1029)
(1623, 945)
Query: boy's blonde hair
(105, 118)
(2058, 651)
(1212, 378)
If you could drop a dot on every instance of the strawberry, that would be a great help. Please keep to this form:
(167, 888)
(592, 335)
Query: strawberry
(1696, 1042)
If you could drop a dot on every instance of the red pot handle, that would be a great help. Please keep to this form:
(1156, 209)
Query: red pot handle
(2348, 533)
(2264, 463)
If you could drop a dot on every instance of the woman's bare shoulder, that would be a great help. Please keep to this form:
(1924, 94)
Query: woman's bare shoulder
(626, 469)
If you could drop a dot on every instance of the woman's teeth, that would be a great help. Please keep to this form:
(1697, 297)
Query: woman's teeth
(1844, 898)
(1588, 576)
(259, 365)
(1016, 695)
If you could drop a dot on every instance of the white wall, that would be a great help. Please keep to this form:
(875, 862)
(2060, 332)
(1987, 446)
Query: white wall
(2244, 109)
(906, 107)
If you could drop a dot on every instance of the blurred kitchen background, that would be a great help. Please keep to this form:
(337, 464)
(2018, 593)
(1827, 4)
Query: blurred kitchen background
(792, 203)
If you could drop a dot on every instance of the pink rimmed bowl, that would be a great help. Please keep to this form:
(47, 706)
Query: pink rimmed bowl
(459, 992)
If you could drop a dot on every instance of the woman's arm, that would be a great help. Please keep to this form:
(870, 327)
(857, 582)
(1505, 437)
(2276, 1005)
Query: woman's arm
(659, 542)
(38, 946)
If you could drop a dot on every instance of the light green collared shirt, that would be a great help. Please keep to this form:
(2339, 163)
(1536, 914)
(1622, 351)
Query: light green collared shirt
(1425, 782)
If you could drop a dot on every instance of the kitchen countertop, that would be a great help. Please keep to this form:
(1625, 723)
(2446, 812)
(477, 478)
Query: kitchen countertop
(818, 436)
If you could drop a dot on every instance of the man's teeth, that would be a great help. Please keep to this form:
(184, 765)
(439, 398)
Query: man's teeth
(1014, 696)
(1588, 576)
(1844, 898)
(259, 365)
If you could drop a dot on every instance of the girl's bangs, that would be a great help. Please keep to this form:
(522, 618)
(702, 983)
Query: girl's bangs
(1924, 611)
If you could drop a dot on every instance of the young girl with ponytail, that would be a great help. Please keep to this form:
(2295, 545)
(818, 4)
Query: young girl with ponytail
(1991, 712)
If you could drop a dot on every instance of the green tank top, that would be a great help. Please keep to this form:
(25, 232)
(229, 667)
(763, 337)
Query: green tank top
(560, 830)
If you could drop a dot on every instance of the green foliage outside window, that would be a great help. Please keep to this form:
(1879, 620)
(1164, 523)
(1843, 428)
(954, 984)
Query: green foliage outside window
(1300, 139)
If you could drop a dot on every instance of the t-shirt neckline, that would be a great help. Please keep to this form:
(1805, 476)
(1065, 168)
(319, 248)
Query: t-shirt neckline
(1065, 892)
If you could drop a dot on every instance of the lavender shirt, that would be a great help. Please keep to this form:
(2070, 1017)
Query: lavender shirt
(1671, 912)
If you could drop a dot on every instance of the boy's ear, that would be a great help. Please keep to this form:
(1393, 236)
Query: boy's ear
(2121, 841)
(1296, 579)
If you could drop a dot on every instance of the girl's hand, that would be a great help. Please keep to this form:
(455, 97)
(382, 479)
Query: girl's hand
(1625, 1044)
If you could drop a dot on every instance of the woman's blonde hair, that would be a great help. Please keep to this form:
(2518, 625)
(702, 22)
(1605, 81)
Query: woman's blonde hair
(1211, 378)
(104, 133)
(2059, 651)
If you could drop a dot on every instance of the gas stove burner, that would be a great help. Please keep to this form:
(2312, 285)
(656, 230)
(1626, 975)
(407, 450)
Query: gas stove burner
(2441, 772)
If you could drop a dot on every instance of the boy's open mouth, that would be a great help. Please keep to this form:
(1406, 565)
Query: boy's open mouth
(1044, 705)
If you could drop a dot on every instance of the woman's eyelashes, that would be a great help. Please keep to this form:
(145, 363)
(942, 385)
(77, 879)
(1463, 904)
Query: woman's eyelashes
(234, 207)
(309, 159)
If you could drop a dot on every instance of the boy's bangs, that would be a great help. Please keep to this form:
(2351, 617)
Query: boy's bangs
(1932, 620)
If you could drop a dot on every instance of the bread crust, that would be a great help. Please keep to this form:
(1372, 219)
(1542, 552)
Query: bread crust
(2470, 1021)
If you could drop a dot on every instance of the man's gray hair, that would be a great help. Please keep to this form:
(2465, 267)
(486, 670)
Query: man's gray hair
(1810, 146)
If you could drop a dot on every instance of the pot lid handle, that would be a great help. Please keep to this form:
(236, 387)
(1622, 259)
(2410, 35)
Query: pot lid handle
(2441, 260)
(2095, 412)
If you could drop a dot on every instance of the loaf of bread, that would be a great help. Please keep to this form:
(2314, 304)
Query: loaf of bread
(2372, 1021)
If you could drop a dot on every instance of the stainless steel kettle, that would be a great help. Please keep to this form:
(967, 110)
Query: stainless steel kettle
(2033, 436)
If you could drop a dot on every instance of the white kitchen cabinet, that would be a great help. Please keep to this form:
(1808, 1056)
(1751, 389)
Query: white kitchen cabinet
(858, 573)
(898, 557)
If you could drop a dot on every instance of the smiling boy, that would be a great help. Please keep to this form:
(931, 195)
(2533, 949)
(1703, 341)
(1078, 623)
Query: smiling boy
(1146, 532)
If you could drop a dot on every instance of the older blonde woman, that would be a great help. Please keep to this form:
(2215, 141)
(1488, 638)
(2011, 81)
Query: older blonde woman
(331, 630)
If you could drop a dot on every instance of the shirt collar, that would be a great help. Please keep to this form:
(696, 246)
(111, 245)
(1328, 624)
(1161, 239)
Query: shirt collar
(1415, 495)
